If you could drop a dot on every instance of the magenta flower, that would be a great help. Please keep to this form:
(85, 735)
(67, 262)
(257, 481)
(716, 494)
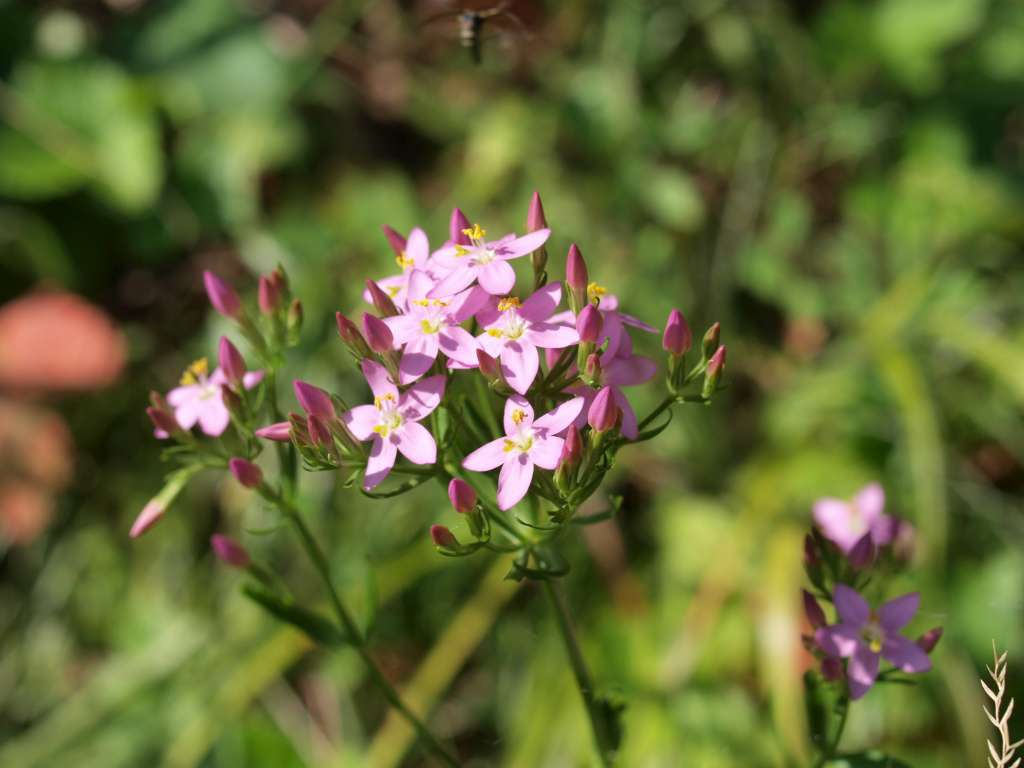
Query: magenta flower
(617, 373)
(198, 399)
(484, 261)
(527, 442)
(514, 331)
(845, 522)
(431, 326)
(864, 637)
(392, 422)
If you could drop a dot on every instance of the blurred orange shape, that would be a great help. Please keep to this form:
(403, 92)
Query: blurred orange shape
(24, 511)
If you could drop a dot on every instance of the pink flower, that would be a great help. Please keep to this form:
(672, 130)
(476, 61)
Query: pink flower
(527, 442)
(865, 636)
(415, 254)
(845, 522)
(484, 261)
(392, 422)
(432, 325)
(617, 373)
(514, 331)
(198, 399)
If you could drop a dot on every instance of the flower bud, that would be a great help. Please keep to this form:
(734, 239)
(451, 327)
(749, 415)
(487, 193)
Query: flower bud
(536, 220)
(319, 434)
(269, 293)
(461, 495)
(589, 324)
(831, 668)
(443, 538)
(377, 334)
(231, 362)
(572, 448)
(489, 366)
(279, 432)
(863, 553)
(164, 423)
(395, 240)
(229, 551)
(293, 322)
(604, 413)
(150, 515)
(245, 472)
(456, 224)
(677, 338)
(576, 278)
(714, 372)
(709, 344)
(812, 610)
(929, 639)
(222, 296)
(592, 368)
(381, 301)
(314, 400)
(352, 337)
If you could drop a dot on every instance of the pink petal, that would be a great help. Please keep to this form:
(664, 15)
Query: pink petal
(416, 443)
(458, 344)
(629, 371)
(513, 404)
(905, 655)
(487, 456)
(628, 427)
(460, 279)
(313, 399)
(150, 515)
(279, 432)
(637, 323)
(421, 398)
(557, 420)
(838, 640)
(403, 327)
(542, 304)
(521, 246)
(417, 248)
(361, 420)
(420, 284)
(181, 395)
(379, 379)
(851, 607)
(492, 345)
(519, 364)
(833, 517)
(419, 354)
(870, 501)
(514, 480)
(613, 330)
(551, 336)
(546, 451)
(187, 414)
(861, 671)
(897, 613)
(251, 379)
(497, 278)
(466, 304)
(382, 459)
(214, 418)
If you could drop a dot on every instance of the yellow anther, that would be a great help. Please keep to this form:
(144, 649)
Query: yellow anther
(196, 370)
(518, 415)
(476, 232)
(393, 290)
(595, 291)
(421, 302)
(404, 261)
(509, 302)
(380, 402)
(428, 326)
(381, 430)
(495, 332)
(875, 646)
(509, 446)
(461, 250)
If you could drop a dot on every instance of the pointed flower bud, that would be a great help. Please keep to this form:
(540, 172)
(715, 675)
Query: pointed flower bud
(572, 449)
(677, 338)
(319, 434)
(395, 240)
(489, 366)
(381, 301)
(709, 344)
(222, 296)
(229, 551)
(461, 495)
(314, 400)
(576, 278)
(245, 472)
(592, 368)
(164, 422)
(279, 432)
(604, 413)
(589, 324)
(231, 362)
(863, 553)
(714, 372)
(269, 293)
(929, 639)
(443, 538)
(812, 610)
(456, 224)
(350, 334)
(535, 218)
(293, 321)
(377, 334)
(150, 515)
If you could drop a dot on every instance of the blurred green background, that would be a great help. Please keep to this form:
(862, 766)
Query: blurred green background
(840, 183)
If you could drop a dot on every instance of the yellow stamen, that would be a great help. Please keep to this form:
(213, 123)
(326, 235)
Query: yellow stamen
(430, 302)
(461, 250)
(476, 232)
(196, 370)
(595, 291)
(518, 415)
(393, 290)
(495, 332)
(875, 646)
(509, 302)
(403, 261)
(509, 446)
(380, 401)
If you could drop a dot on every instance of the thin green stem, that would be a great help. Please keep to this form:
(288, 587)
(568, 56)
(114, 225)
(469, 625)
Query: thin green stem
(579, 669)
(355, 636)
(843, 707)
(666, 403)
(286, 455)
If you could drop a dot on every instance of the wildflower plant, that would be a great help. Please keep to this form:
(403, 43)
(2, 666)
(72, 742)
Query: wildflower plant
(853, 552)
(510, 397)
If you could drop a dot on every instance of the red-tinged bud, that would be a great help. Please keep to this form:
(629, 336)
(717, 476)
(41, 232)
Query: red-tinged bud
(164, 422)
(229, 551)
(831, 668)
(319, 433)
(293, 321)
(710, 343)
(279, 432)
(592, 368)
(572, 449)
(863, 553)
(377, 334)
(604, 413)
(353, 338)
(489, 366)
(576, 278)
(269, 294)
(246, 473)
(395, 240)
(381, 301)
(443, 538)
(812, 610)
(231, 362)
(222, 296)
(589, 324)
(535, 218)
(232, 400)
(456, 224)
(677, 338)
(314, 400)
(714, 372)
(461, 495)
(150, 515)
(929, 639)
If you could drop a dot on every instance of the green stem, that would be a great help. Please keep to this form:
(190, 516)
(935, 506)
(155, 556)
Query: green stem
(286, 456)
(317, 557)
(843, 707)
(666, 403)
(579, 669)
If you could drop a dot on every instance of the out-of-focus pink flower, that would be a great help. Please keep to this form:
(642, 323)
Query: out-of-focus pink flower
(229, 551)
(199, 400)
(527, 442)
(845, 522)
(414, 254)
(484, 261)
(279, 432)
(245, 472)
(150, 515)
(443, 537)
(461, 495)
(25, 510)
(222, 296)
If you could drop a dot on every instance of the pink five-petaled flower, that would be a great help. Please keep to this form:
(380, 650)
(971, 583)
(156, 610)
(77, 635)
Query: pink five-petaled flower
(527, 442)
(514, 331)
(865, 636)
(845, 522)
(198, 399)
(432, 325)
(484, 261)
(392, 422)
(414, 253)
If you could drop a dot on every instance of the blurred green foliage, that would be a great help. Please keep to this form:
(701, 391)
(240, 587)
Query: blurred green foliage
(840, 183)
